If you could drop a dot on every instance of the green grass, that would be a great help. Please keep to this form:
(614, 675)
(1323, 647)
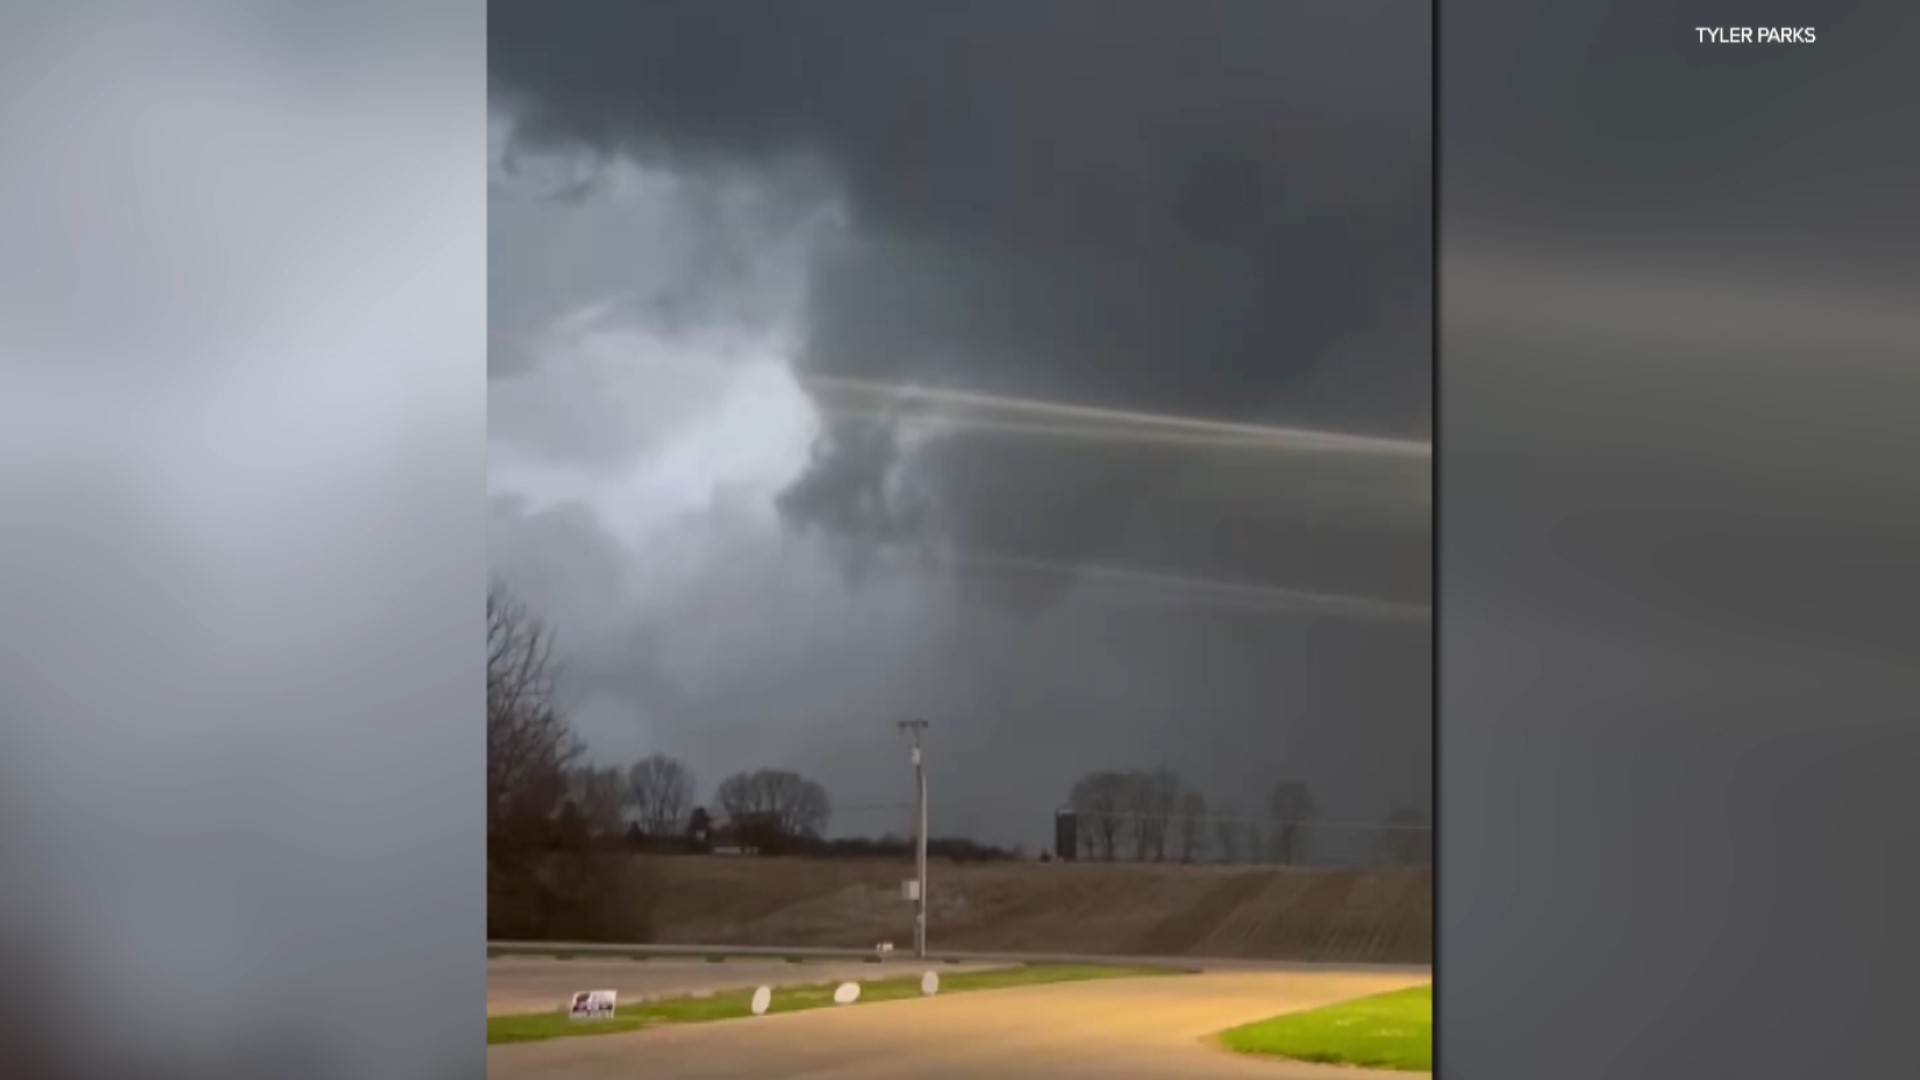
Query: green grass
(534, 1027)
(1391, 1031)
(643, 952)
(737, 1004)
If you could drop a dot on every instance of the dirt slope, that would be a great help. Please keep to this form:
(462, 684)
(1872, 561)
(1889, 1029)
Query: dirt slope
(1374, 916)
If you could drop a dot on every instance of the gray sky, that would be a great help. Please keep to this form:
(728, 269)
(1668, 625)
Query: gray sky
(721, 245)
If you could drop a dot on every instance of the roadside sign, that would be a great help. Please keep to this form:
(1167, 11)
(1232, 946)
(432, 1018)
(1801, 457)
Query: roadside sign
(593, 1005)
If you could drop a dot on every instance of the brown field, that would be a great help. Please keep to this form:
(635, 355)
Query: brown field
(1356, 916)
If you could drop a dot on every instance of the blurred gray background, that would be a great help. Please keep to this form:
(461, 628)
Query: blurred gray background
(1678, 512)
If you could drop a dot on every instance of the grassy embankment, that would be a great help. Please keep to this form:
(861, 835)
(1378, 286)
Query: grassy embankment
(1389, 1031)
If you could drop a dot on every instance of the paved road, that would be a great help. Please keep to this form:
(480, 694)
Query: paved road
(1122, 1029)
(535, 984)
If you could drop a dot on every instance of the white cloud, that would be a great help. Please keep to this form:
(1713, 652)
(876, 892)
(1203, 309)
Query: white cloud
(645, 432)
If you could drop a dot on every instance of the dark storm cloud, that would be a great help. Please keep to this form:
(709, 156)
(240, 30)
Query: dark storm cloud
(1222, 211)
(1177, 212)
(1209, 209)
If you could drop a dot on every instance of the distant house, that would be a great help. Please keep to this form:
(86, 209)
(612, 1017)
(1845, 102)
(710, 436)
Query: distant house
(729, 840)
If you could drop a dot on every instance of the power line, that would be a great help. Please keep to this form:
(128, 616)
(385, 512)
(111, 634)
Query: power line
(868, 808)
(1210, 819)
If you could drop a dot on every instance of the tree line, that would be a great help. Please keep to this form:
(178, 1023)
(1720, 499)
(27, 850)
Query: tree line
(542, 789)
(561, 828)
(1155, 815)
(651, 804)
(544, 877)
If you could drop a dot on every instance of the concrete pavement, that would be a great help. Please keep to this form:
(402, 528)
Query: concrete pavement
(1153, 1028)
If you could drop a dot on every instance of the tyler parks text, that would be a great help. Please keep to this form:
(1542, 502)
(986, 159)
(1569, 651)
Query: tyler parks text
(1751, 35)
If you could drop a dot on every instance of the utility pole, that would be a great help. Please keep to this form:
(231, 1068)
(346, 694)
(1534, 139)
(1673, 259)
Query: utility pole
(916, 729)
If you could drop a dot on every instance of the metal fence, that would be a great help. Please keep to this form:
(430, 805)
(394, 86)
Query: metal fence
(1250, 841)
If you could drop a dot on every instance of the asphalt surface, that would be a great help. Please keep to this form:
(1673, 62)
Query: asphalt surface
(1154, 1028)
(537, 984)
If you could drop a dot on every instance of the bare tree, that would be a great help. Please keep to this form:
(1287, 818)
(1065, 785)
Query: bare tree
(1139, 809)
(1409, 839)
(1289, 805)
(795, 805)
(544, 877)
(1228, 828)
(1099, 799)
(801, 804)
(1147, 802)
(529, 746)
(660, 789)
(1193, 824)
(736, 797)
(600, 796)
(1163, 804)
